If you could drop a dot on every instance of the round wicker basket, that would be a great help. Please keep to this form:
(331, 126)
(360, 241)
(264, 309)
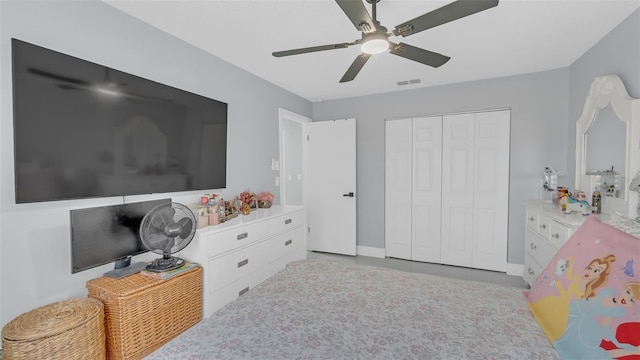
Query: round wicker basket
(70, 329)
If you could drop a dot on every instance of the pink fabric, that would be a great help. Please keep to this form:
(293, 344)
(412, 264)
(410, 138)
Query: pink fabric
(590, 287)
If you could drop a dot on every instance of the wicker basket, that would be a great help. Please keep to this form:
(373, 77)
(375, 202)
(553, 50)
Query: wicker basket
(71, 329)
(142, 313)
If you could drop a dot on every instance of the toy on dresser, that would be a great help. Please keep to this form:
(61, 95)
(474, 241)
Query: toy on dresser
(570, 204)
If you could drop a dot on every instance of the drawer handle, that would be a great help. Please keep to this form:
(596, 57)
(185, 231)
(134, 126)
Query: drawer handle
(543, 226)
(243, 263)
(288, 242)
(243, 291)
(531, 219)
(242, 236)
(533, 246)
(287, 222)
(557, 236)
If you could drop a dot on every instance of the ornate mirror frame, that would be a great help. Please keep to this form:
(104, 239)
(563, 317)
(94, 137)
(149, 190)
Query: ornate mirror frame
(604, 91)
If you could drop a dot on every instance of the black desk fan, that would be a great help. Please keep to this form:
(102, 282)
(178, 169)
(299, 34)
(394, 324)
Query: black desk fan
(165, 230)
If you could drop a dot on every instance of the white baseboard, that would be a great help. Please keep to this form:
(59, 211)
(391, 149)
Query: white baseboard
(370, 251)
(512, 269)
(515, 269)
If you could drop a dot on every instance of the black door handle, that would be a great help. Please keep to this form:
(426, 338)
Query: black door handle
(348, 194)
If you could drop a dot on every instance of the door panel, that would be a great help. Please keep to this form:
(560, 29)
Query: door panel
(332, 176)
(427, 188)
(398, 199)
(457, 188)
(491, 195)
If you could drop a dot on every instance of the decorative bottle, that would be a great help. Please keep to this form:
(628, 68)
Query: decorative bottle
(596, 203)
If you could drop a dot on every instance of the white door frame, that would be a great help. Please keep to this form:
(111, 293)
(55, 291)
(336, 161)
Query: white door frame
(286, 115)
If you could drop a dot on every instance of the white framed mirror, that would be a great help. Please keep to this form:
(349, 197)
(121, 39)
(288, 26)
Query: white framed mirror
(608, 145)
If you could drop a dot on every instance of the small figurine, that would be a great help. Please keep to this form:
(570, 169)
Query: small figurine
(570, 204)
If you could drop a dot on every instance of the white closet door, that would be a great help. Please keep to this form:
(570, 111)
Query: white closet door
(397, 230)
(491, 195)
(458, 144)
(427, 189)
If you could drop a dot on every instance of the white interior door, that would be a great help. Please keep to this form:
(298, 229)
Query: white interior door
(332, 186)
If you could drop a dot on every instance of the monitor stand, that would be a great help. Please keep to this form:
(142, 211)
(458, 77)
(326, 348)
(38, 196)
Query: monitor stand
(124, 267)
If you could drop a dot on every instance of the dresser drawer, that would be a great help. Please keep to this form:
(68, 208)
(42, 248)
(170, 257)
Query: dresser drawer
(285, 243)
(558, 234)
(227, 294)
(540, 250)
(531, 270)
(224, 241)
(532, 218)
(544, 224)
(237, 264)
(290, 221)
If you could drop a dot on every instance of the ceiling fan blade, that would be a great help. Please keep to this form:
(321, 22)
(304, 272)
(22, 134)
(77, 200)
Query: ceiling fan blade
(57, 77)
(417, 54)
(455, 10)
(355, 67)
(311, 49)
(357, 13)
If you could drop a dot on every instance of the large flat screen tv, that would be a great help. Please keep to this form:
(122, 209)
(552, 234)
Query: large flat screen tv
(86, 130)
(105, 234)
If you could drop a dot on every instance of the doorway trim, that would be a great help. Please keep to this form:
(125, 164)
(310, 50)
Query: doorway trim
(286, 115)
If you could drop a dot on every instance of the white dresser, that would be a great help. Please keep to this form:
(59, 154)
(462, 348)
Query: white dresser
(242, 252)
(547, 228)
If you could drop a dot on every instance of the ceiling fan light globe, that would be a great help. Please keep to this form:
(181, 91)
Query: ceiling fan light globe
(375, 46)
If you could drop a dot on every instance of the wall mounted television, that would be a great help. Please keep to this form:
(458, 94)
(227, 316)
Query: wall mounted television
(105, 234)
(85, 130)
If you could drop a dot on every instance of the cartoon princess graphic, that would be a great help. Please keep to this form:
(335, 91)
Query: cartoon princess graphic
(589, 323)
(583, 286)
(626, 342)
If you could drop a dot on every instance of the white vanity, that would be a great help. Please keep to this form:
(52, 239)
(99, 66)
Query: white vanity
(607, 134)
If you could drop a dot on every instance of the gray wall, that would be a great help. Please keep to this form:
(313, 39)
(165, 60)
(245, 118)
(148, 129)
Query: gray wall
(538, 104)
(617, 53)
(34, 238)
(544, 107)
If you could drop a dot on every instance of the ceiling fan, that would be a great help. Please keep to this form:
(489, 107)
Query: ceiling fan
(375, 38)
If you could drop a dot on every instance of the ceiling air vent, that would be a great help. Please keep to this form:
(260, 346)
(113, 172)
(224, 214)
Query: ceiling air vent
(407, 82)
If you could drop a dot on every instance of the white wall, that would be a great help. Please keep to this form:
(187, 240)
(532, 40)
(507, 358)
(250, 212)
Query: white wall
(34, 238)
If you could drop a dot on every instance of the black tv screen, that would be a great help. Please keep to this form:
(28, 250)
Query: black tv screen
(86, 130)
(105, 234)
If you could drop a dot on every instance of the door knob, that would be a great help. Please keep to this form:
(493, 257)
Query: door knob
(348, 194)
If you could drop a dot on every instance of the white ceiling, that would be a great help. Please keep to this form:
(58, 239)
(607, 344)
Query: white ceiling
(515, 37)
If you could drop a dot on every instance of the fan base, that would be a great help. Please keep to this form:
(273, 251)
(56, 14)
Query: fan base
(165, 264)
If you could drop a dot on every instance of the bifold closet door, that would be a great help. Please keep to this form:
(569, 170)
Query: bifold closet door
(475, 183)
(426, 189)
(412, 188)
(397, 211)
